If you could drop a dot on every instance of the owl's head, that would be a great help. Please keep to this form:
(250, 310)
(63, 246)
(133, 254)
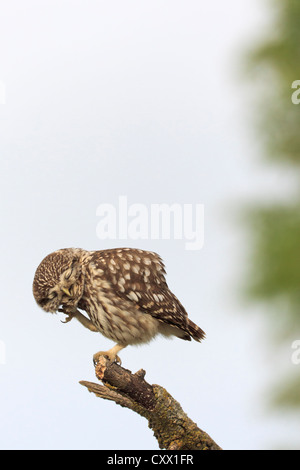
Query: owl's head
(58, 280)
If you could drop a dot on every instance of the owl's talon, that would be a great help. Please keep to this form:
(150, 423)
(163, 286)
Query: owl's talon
(67, 319)
(118, 360)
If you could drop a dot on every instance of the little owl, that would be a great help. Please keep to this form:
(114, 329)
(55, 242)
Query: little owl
(122, 290)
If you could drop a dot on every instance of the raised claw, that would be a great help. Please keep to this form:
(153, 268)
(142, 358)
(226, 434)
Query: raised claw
(69, 315)
(68, 318)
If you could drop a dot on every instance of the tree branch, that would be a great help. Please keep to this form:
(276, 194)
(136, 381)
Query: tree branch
(173, 429)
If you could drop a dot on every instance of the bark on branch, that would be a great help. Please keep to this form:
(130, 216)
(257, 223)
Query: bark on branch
(173, 429)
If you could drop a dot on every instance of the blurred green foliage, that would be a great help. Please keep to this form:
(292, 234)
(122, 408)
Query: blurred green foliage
(276, 64)
(276, 256)
(274, 275)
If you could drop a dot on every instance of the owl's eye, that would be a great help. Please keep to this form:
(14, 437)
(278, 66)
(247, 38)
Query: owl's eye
(52, 296)
(68, 273)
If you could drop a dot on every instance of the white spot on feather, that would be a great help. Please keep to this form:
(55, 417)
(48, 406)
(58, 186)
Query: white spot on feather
(136, 269)
(132, 295)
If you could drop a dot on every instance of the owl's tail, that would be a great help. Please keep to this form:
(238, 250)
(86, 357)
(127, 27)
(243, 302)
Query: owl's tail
(195, 331)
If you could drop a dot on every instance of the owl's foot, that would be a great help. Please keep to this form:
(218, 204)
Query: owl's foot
(111, 354)
(69, 315)
(111, 357)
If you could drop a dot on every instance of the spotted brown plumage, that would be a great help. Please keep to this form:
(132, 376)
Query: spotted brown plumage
(123, 291)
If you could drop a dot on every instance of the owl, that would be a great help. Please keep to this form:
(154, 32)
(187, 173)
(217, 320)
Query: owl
(123, 292)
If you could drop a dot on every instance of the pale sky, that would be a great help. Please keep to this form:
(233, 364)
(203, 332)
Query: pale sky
(143, 100)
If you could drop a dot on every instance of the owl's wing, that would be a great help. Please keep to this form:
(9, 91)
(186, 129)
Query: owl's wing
(139, 276)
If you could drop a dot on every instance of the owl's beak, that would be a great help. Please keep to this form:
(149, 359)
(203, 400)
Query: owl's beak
(66, 291)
